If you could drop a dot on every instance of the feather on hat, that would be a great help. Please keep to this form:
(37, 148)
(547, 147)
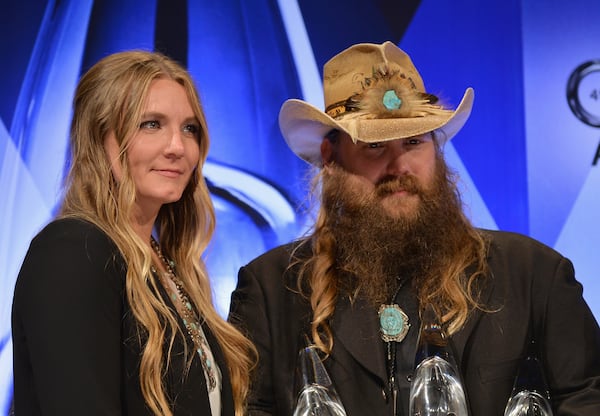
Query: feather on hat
(373, 93)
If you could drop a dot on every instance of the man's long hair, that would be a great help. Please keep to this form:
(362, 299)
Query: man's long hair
(110, 99)
(445, 285)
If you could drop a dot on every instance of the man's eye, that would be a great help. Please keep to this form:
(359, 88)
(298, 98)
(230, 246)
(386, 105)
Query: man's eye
(376, 145)
(413, 141)
(150, 124)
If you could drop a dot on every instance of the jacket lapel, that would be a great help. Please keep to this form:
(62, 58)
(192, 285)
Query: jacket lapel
(461, 338)
(356, 328)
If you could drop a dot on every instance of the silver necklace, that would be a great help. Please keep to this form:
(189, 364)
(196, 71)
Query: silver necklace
(189, 317)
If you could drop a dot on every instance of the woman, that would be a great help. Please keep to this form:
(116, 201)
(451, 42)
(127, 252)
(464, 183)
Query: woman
(112, 310)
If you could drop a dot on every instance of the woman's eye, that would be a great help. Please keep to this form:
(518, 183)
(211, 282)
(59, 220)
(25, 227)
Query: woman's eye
(191, 129)
(150, 124)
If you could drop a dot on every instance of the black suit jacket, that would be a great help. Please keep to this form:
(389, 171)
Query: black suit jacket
(75, 342)
(528, 282)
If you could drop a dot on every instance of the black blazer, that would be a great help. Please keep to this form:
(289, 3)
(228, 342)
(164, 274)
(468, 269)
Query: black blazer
(528, 282)
(75, 342)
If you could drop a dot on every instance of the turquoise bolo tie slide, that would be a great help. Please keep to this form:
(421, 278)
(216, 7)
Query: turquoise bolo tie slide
(393, 323)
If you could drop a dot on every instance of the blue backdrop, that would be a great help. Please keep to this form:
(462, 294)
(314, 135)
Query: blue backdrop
(528, 157)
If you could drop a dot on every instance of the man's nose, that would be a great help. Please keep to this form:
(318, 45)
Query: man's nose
(396, 159)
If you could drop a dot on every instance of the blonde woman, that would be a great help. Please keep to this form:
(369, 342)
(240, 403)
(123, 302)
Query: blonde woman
(112, 310)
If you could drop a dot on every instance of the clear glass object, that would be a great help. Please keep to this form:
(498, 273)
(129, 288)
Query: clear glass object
(528, 403)
(436, 387)
(317, 396)
(530, 395)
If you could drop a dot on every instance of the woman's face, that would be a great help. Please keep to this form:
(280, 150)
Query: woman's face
(164, 151)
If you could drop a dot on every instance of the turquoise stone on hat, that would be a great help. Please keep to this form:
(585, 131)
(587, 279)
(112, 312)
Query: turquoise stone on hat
(393, 323)
(391, 101)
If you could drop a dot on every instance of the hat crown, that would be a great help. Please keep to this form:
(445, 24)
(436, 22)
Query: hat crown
(345, 74)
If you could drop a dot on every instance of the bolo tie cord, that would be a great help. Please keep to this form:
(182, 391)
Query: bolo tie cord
(392, 388)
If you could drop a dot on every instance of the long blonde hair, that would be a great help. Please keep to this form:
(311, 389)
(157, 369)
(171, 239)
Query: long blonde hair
(109, 99)
(452, 293)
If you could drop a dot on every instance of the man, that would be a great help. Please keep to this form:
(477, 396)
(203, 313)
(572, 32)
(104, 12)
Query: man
(391, 237)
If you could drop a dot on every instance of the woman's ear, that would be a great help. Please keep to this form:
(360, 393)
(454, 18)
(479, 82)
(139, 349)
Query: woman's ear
(326, 151)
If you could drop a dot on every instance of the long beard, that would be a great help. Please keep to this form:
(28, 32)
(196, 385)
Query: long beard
(375, 249)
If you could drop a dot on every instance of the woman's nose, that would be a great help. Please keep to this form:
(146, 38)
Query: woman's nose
(175, 145)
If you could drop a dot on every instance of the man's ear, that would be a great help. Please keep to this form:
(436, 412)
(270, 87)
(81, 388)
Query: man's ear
(326, 151)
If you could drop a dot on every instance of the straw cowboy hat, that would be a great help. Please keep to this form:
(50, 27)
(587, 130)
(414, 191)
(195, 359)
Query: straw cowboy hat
(374, 93)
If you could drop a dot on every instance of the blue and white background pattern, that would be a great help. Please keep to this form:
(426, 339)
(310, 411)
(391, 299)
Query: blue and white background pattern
(527, 162)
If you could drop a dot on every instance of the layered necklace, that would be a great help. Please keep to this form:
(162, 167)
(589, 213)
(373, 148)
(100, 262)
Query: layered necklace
(393, 328)
(188, 315)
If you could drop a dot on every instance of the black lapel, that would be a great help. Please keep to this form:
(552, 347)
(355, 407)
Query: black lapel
(461, 338)
(356, 328)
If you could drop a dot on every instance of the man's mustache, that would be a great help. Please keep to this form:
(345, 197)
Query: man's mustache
(391, 184)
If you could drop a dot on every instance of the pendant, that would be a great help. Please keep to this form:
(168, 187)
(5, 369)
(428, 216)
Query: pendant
(393, 323)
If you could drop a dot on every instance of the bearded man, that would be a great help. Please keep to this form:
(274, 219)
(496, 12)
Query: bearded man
(391, 235)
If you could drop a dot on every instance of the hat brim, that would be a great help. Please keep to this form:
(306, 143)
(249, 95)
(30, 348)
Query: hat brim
(304, 126)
